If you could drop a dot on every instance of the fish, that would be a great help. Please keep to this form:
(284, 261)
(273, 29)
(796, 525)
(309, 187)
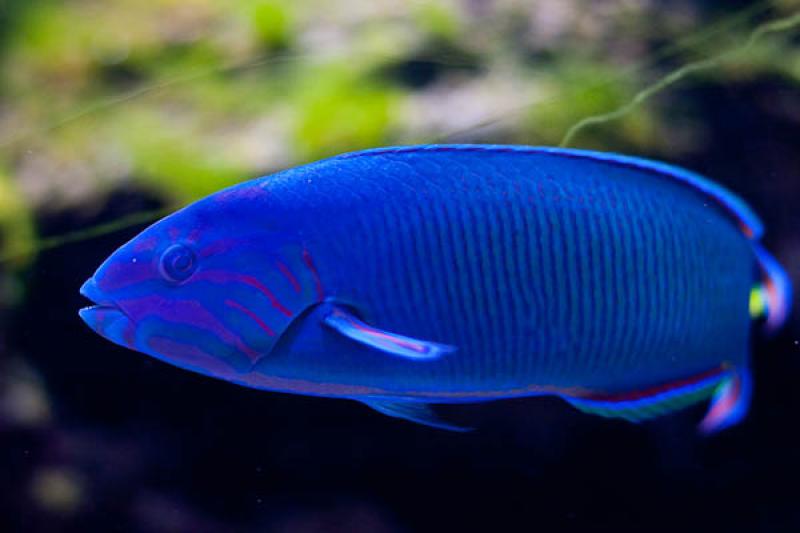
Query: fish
(405, 277)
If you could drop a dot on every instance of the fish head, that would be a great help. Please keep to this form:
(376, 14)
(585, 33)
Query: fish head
(210, 288)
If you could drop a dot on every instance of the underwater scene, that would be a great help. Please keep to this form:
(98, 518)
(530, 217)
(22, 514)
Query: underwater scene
(380, 266)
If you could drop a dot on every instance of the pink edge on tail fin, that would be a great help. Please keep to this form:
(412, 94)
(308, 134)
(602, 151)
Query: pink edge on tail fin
(778, 289)
(729, 404)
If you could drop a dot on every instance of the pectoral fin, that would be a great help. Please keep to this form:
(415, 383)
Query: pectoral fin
(351, 327)
(418, 412)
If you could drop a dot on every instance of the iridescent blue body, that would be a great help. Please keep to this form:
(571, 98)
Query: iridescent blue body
(592, 276)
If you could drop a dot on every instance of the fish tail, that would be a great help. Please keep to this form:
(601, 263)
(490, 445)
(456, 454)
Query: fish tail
(771, 298)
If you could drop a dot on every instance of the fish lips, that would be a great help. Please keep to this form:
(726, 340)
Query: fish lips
(106, 317)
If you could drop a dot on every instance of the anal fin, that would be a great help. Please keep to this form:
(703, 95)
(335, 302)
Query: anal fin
(636, 406)
(418, 412)
(730, 402)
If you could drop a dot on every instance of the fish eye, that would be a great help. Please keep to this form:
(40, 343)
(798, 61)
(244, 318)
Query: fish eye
(177, 263)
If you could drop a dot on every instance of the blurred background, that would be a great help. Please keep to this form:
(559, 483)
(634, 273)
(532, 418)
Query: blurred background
(114, 111)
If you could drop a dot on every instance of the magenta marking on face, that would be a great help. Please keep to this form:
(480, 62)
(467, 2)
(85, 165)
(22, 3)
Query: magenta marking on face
(236, 305)
(309, 262)
(194, 235)
(221, 276)
(189, 354)
(145, 245)
(217, 247)
(173, 233)
(186, 312)
(120, 274)
(288, 275)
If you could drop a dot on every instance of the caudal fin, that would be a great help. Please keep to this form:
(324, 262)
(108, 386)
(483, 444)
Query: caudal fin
(775, 290)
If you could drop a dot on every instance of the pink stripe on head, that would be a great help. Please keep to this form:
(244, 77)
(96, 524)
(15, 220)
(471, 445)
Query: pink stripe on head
(236, 305)
(189, 313)
(222, 276)
(309, 262)
(188, 355)
(288, 275)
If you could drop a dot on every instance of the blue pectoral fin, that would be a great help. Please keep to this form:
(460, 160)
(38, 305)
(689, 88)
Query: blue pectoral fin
(636, 406)
(351, 327)
(418, 412)
(730, 402)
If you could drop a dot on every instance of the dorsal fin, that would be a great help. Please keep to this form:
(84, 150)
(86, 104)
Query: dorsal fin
(744, 217)
(735, 207)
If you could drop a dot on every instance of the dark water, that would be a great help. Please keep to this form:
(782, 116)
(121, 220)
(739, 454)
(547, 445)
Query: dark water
(132, 444)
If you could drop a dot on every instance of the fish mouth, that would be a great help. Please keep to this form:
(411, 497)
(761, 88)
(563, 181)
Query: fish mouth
(94, 315)
(105, 317)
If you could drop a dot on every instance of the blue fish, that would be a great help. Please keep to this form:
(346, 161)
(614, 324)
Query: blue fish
(401, 277)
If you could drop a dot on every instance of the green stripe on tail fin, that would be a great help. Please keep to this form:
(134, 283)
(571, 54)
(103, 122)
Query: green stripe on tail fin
(758, 302)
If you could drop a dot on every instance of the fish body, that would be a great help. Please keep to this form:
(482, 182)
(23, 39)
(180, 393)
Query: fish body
(456, 273)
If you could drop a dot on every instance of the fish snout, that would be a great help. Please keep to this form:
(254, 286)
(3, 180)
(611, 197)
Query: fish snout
(105, 317)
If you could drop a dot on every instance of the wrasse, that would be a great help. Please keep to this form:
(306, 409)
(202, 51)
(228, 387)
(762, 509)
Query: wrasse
(401, 277)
